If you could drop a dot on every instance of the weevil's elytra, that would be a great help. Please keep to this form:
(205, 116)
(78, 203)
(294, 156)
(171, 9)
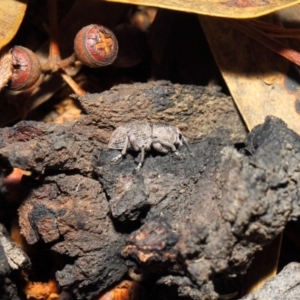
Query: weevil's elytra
(141, 130)
(143, 136)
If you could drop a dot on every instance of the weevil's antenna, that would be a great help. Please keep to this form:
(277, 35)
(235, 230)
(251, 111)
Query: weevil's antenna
(187, 145)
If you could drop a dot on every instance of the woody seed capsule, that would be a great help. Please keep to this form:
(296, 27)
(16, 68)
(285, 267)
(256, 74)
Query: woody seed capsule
(26, 68)
(96, 46)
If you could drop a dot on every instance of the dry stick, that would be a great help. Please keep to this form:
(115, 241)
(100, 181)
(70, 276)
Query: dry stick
(267, 41)
(64, 63)
(72, 84)
(54, 52)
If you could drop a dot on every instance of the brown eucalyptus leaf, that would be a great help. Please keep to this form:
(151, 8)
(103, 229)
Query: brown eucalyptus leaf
(5, 68)
(261, 82)
(239, 9)
(11, 16)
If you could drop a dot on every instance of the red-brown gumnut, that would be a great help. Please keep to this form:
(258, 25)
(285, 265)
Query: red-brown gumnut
(95, 46)
(26, 68)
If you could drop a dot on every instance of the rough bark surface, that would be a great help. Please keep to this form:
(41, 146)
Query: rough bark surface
(16, 257)
(4, 270)
(197, 111)
(206, 216)
(259, 196)
(192, 223)
(67, 209)
(69, 147)
(71, 212)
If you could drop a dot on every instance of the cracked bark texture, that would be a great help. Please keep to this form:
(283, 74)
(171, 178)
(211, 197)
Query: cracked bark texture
(197, 111)
(69, 147)
(204, 218)
(192, 223)
(64, 206)
(71, 213)
(259, 196)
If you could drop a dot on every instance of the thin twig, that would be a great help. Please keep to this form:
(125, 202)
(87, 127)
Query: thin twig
(54, 52)
(72, 84)
(61, 64)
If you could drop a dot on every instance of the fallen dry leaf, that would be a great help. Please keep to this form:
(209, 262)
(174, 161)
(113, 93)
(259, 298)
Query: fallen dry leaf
(239, 9)
(261, 82)
(6, 68)
(11, 16)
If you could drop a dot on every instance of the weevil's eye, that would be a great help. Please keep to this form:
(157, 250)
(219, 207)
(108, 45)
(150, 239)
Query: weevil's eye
(180, 136)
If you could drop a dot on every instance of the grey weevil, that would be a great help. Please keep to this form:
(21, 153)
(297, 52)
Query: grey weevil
(141, 136)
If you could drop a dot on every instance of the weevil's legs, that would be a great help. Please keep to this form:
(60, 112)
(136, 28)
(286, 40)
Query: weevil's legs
(125, 147)
(159, 147)
(169, 145)
(142, 159)
(133, 142)
(123, 153)
(117, 158)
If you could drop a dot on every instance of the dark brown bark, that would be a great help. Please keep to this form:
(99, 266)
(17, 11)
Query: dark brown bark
(193, 223)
